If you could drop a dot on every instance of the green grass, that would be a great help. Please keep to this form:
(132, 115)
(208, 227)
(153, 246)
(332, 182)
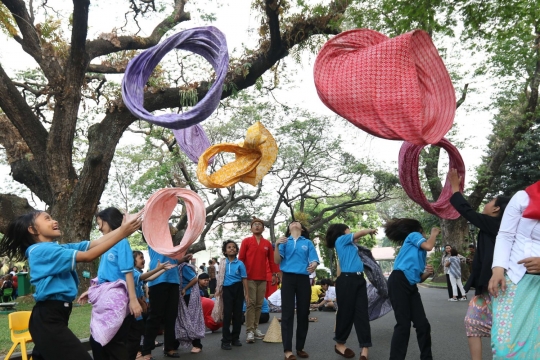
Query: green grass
(79, 323)
(436, 284)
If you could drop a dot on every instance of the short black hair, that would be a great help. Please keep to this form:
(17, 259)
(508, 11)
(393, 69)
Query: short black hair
(224, 247)
(328, 282)
(501, 202)
(334, 231)
(453, 252)
(112, 216)
(397, 230)
(305, 232)
(137, 253)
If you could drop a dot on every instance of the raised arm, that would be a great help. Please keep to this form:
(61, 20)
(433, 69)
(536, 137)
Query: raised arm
(430, 243)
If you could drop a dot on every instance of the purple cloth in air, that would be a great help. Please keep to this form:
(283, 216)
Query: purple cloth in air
(208, 42)
(109, 309)
(193, 141)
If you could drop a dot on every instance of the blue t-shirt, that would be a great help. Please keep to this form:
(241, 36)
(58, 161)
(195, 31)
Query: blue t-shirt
(265, 307)
(347, 252)
(116, 262)
(139, 287)
(170, 276)
(54, 270)
(188, 274)
(296, 255)
(235, 271)
(412, 258)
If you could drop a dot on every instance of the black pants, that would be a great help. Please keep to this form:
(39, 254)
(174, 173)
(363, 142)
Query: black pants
(212, 285)
(263, 319)
(52, 338)
(449, 286)
(233, 301)
(136, 331)
(353, 309)
(408, 307)
(117, 348)
(163, 309)
(196, 342)
(294, 286)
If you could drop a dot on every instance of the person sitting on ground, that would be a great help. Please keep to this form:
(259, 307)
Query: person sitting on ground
(274, 301)
(204, 280)
(317, 295)
(329, 302)
(265, 312)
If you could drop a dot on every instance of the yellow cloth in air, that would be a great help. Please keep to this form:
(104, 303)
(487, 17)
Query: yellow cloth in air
(254, 158)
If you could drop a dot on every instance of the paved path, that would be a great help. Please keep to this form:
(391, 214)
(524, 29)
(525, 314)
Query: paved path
(446, 318)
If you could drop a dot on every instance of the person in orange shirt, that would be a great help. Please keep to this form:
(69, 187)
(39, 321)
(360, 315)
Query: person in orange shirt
(255, 253)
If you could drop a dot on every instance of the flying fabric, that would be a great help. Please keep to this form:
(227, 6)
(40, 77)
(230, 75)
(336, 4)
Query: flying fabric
(408, 177)
(207, 41)
(254, 158)
(393, 88)
(157, 211)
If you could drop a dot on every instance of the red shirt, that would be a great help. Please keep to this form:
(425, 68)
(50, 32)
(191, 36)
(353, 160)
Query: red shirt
(255, 256)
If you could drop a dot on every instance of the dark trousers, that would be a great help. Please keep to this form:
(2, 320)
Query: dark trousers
(353, 309)
(295, 286)
(163, 309)
(117, 348)
(263, 319)
(136, 331)
(52, 338)
(449, 286)
(408, 307)
(212, 285)
(233, 301)
(196, 342)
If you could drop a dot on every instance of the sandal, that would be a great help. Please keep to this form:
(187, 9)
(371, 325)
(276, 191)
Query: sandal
(313, 319)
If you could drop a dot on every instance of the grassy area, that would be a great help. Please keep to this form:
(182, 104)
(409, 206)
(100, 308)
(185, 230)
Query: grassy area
(79, 323)
(436, 284)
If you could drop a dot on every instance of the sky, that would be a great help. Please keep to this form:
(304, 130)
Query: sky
(236, 19)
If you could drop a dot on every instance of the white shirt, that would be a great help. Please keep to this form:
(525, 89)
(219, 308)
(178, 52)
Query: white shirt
(518, 238)
(330, 294)
(275, 298)
(216, 266)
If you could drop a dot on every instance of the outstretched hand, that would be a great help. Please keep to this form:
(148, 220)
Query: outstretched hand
(455, 180)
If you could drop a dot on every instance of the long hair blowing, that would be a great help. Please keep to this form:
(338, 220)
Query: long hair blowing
(334, 231)
(397, 230)
(17, 238)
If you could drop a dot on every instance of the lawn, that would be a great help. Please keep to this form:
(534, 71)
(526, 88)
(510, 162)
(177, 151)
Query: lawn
(79, 323)
(436, 284)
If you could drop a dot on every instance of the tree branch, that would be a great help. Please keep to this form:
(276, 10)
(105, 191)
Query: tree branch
(105, 69)
(12, 206)
(110, 43)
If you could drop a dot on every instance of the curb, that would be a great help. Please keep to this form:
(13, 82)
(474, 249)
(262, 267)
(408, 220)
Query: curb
(430, 286)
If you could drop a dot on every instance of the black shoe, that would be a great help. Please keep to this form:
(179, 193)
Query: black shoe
(226, 346)
(236, 342)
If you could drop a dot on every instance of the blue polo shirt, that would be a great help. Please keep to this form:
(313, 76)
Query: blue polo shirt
(347, 252)
(116, 262)
(139, 287)
(296, 255)
(188, 274)
(235, 271)
(412, 258)
(170, 276)
(54, 272)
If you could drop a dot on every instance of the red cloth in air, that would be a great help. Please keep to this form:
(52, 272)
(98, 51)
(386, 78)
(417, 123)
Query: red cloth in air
(533, 209)
(393, 88)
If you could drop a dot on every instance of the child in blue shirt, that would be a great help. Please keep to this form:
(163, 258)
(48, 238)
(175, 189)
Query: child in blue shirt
(298, 258)
(351, 290)
(136, 330)
(409, 269)
(234, 290)
(32, 236)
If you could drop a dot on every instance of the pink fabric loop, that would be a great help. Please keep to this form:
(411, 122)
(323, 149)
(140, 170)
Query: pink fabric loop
(409, 155)
(159, 208)
(393, 88)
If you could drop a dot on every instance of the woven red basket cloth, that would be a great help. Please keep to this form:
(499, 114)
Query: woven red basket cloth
(394, 88)
(409, 155)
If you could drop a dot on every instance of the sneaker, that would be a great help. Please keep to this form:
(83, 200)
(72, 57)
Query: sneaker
(452, 299)
(250, 337)
(463, 299)
(258, 334)
(236, 343)
(226, 346)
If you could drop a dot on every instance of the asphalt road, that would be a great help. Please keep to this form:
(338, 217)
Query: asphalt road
(446, 318)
